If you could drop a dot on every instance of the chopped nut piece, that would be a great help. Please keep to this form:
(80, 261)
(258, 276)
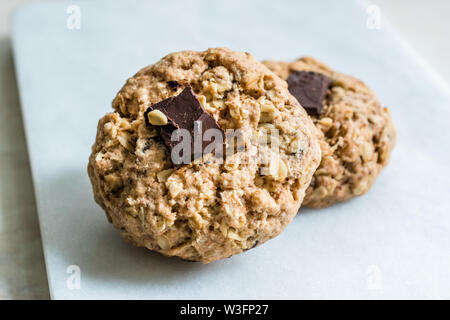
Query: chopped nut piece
(252, 80)
(218, 104)
(99, 157)
(132, 211)
(383, 154)
(269, 108)
(196, 221)
(366, 151)
(124, 139)
(320, 192)
(202, 100)
(121, 103)
(233, 235)
(163, 175)
(224, 230)
(235, 113)
(223, 86)
(267, 112)
(271, 95)
(267, 126)
(163, 242)
(278, 168)
(124, 125)
(114, 181)
(174, 189)
(231, 165)
(107, 127)
(294, 145)
(265, 133)
(282, 170)
(157, 118)
(327, 122)
(262, 137)
(161, 225)
(360, 188)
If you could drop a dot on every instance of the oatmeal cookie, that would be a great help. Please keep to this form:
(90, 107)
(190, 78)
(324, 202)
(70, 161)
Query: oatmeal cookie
(204, 210)
(357, 133)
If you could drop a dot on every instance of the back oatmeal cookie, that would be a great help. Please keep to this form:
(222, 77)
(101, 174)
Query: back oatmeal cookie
(357, 133)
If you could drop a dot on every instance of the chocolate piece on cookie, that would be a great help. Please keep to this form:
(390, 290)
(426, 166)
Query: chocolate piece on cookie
(357, 133)
(207, 209)
(183, 111)
(310, 89)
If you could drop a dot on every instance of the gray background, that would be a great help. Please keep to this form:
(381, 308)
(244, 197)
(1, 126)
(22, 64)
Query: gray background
(424, 24)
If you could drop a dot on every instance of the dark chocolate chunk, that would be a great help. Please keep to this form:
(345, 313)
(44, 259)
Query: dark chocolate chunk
(310, 89)
(183, 112)
(173, 85)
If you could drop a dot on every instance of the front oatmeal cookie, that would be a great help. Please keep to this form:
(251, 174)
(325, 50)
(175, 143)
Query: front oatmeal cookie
(204, 210)
(357, 133)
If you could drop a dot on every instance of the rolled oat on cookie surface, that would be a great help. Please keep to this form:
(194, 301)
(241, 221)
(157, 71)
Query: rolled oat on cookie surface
(202, 208)
(357, 133)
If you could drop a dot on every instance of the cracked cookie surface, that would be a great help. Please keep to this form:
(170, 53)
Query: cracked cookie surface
(205, 210)
(357, 135)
